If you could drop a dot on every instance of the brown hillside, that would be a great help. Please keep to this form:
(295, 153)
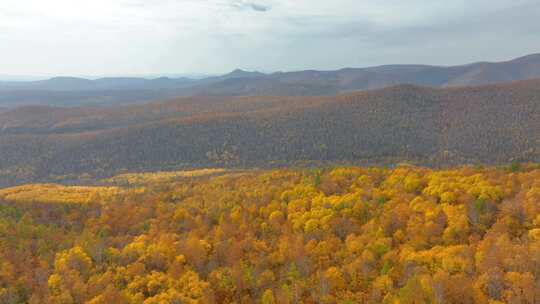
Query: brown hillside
(487, 124)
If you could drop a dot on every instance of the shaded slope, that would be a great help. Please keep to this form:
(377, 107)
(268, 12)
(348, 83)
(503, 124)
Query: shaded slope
(489, 124)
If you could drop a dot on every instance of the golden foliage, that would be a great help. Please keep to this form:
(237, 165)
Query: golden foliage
(51, 193)
(342, 235)
(159, 177)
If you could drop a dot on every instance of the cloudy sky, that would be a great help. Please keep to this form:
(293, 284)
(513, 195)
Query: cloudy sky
(143, 37)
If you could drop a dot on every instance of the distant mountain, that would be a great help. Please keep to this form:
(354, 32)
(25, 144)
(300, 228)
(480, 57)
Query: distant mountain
(432, 126)
(101, 84)
(312, 83)
(111, 91)
(238, 73)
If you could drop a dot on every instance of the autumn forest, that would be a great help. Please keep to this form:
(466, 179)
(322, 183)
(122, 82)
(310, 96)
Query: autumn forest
(331, 235)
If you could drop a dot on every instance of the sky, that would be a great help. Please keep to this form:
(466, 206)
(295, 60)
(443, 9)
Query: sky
(158, 37)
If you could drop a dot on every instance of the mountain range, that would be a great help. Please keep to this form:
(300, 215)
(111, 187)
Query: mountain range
(71, 91)
(432, 126)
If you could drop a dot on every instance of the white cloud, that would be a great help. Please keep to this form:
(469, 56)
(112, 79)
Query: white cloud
(153, 36)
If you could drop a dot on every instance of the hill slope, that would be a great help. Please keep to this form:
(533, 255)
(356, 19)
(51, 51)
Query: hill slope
(490, 124)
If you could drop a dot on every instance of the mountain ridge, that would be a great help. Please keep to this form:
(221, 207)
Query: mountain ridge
(245, 83)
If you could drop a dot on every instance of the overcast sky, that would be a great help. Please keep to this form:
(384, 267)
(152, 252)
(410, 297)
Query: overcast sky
(141, 37)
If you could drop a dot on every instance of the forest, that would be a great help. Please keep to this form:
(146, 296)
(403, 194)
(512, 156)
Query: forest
(407, 234)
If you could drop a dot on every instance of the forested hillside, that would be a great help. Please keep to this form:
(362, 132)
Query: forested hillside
(488, 124)
(342, 235)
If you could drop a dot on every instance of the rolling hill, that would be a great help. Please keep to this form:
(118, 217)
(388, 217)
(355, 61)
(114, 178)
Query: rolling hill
(312, 83)
(432, 126)
(70, 91)
(101, 84)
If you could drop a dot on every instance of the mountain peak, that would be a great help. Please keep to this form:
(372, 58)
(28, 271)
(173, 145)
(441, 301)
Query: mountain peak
(239, 73)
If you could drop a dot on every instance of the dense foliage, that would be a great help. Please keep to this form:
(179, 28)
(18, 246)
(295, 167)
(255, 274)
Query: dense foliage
(343, 235)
